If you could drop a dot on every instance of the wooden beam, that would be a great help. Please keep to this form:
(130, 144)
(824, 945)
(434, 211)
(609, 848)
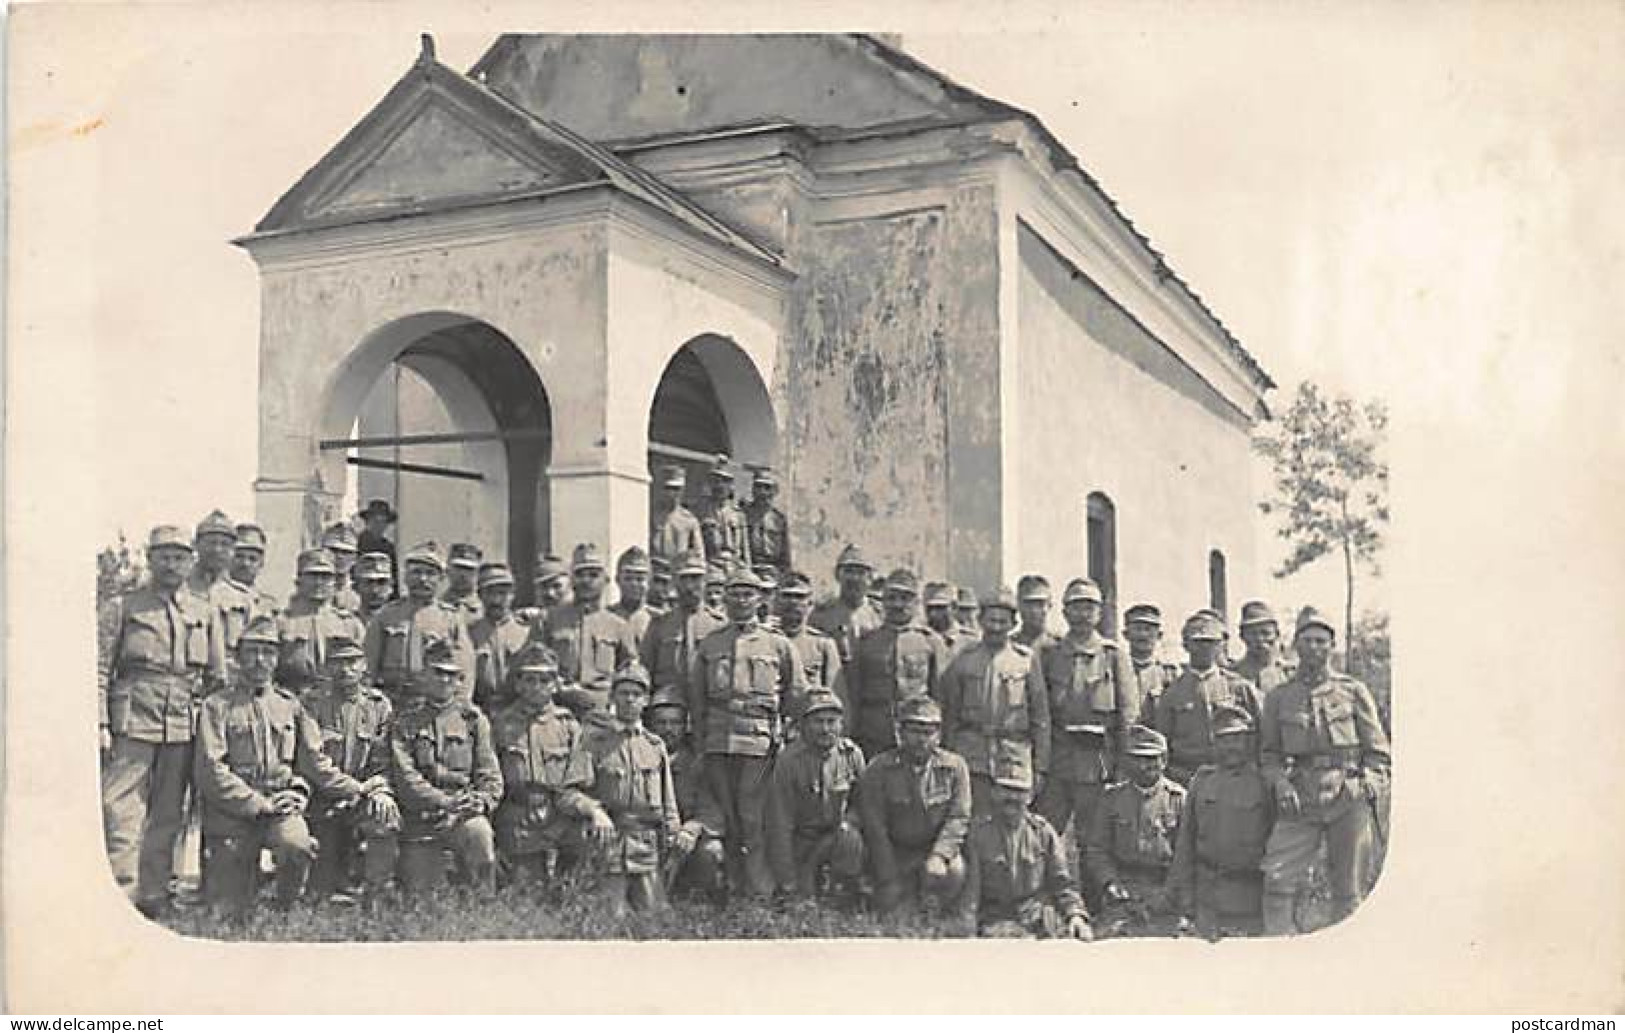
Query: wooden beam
(449, 438)
(679, 452)
(431, 471)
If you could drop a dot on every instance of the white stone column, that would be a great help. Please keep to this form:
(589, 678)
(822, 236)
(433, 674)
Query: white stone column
(594, 502)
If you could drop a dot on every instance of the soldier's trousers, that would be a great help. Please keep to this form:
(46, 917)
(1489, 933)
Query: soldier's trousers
(740, 785)
(639, 891)
(1068, 800)
(345, 840)
(914, 886)
(1137, 917)
(143, 797)
(838, 852)
(423, 864)
(231, 861)
(702, 870)
(1293, 847)
(1228, 903)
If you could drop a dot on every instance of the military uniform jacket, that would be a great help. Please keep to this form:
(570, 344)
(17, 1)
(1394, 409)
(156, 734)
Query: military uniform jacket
(305, 628)
(544, 774)
(956, 640)
(1185, 714)
(156, 655)
(347, 599)
(820, 668)
(251, 745)
(669, 646)
(638, 620)
(468, 605)
(891, 665)
(1224, 825)
(1009, 871)
(354, 728)
(674, 533)
(740, 681)
(1152, 679)
(915, 811)
(722, 526)
(813, 792)
(994, 702)
(1133, 832)
(768, 530)
(399, 634)
(698, 806)
(845, 624)
(438, 750)
(495, 645)
(239, 606)
(590, 645)
(1317, 736)
(630, 776)
(1093, 699)
(1266, 677)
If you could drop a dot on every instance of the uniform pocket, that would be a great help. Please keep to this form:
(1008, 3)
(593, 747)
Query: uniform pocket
(1296, 736)
(393, 653)
(241, 749)
(459, 753)
(145, 638)
(197, 642)
(1340, 726)
(764, 675)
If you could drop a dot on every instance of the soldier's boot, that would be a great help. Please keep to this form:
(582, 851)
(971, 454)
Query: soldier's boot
(1280, 913)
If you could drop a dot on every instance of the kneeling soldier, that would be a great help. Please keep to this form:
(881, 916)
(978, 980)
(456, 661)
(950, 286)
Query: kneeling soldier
(813, 831)
(446, 779)
(695, 864)
(1226, 821)
(1130, 843)
(635, 816)
(915, 802)
(1017, 881)
(544, 807)
(354, 719)
(258, 755)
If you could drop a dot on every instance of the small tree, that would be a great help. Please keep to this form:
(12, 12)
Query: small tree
(1331, 485)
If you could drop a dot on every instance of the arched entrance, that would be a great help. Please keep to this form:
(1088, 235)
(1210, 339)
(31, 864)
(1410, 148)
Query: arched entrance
(444, 417)
(710, 399)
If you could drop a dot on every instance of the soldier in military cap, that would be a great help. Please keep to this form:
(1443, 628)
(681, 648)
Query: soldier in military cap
(716, 590)
(1142, 629)
(340, 541)
(660, 586)
(463, 579)
(673, 529)
(543, 816)
(767, 610)
(497, 637)
(814, 828)
(373, 578)
(635, 818)
(552, 589)
(1017, 880)
(242, 577)
(722, 521)
(994, 700)
(1263, 664)
(876, 591)
(741, 680)
(446, 778)
(213, 542)
(160, 649)
(848, 616)
(354, 720)
(766, 528)
(673, 636)
(1033, 600)
(1326, 756)
(915, 803)
(939, 617)
(375, 521)
(966, 608)
(898, 659)
(820, 657)
(1092, 703)
(590, 641)
(259, 759)
(1222, 831)
(399, 636)
(309, 621)
(696, 862)
(1184, 712)
(1129, 845)
(632, 573)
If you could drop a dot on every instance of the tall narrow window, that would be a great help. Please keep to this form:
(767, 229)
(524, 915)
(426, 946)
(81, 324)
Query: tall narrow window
(1102, 546)
(1217, 590)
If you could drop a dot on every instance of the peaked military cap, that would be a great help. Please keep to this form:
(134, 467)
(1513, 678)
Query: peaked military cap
(1033, 587)
(631, 672)
(168, 536)
(343, 647)
(634, 559)
(902, 580)
(719, 468)
(373, 566)
(998, 598)
(1013, 772)
(966, 597)
(1145, 742)
(1310, 617)
(586, 556)
(822, 699)
(744, 577)
(673, 476)
(1230, 720)
(1081, 589)
(251, 536)
(495, 574)
(852, 556)
(339, 537)
(262, 630)
(764, 476)
(1257, 612)
(768, 575)
(919, 710)
(536, 659)
(1142, 613)
(465, 555)
(716, 575)
(659, 567)
(549, 567)
(216, 523)
(1203, 624)
(427, 554)
(668, 697)
(439, 657)
(316, 561)
(796, 584)
(938, 593)
(690, 563)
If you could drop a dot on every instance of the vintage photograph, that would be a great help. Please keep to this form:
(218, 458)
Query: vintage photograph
(743, 486)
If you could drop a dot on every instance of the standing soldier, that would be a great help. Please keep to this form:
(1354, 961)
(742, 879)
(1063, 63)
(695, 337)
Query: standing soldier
(374, 583)
(247, 559)
(590, 641)
(939, 617)
(813, 822)
(544, 811)
(497, 637)
(767, 611)
(632, 585)
(673, 529)
(1033, 595)
(766, 527)
(375, 521)
(1263, 664)
(1326, 756)
(820, 657)
(399, 636)
(1142, 627)
(660, 590)
(722, 522)
(309, 622)
(340, 542)
(214, 541)
(716, 588)
(899, 659)
(463, 579)
(915, 802)
(995, 703)
(1222, 831)
(965, 610)
(1184, 714)
(1017, 880)
(1130, 843)
(1092, 704)
(259, 757)
(634, 810)
(674, 635)
(160, 649)
(354, 721)
(446, 777)
(740, 679)
(552, 584)
(696, 862)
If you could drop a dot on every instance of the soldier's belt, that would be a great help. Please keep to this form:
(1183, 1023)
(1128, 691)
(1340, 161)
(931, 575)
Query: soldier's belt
(1230, 871)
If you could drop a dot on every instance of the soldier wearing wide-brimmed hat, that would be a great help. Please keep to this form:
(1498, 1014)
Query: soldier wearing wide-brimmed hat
(376, 518)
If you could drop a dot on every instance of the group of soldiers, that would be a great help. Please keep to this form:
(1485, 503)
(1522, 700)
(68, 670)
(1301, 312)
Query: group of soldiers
(716, 734)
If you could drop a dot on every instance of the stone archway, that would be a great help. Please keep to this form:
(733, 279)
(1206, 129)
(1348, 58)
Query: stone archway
(710, 398)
